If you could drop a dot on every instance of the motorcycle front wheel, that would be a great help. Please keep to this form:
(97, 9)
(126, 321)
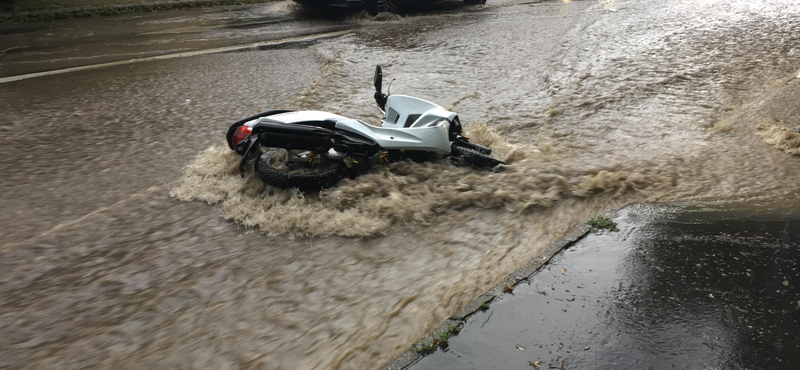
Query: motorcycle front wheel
(275, 168)
(475, 158)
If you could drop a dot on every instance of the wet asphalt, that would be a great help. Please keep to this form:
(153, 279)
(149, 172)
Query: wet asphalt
(46, 46)
(673, 288)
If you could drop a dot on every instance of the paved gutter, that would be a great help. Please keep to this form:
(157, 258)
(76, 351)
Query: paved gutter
(410, 357)
(675, 287)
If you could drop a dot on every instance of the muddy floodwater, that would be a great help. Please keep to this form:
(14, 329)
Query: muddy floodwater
(128, 239)
(672, 288)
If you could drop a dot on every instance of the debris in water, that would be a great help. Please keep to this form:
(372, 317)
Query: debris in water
(786, 283)
(598, 223)
(508, 288)
(739, 309)
(561, 345)
(563, 270)
(552, 287)
(563, 365)
(534, 364)
(380, 17)
(385, 17)
(711, 296)
(586, 348)
(778, 135)
(521, 348)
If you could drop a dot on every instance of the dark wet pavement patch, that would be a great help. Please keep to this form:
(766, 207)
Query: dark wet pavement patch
(674, 288)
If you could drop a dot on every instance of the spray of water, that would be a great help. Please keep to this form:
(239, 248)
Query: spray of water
(405, 193)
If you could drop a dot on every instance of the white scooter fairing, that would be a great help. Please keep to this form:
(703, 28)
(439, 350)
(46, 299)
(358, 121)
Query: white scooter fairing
(407, 111)
(410, 124)
(433, 138)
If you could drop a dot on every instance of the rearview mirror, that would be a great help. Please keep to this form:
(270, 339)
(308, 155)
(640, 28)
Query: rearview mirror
(378, 78)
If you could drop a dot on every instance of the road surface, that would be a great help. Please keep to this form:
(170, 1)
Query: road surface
(115, 254)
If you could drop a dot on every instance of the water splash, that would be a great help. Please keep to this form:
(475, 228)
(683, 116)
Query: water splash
(403, 193)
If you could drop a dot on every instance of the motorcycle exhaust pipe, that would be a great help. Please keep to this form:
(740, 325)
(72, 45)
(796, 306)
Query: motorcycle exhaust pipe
(293, 136)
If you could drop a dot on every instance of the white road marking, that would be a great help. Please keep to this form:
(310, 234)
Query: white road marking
(176, 55)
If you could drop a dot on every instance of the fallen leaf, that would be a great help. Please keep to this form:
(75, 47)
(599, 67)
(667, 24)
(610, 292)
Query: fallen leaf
(563, 365)
(534, 364)
(786, 283)
(561, 345)
(563, 271)
(587, 348)
(552, 287)
(520, 347)
(748, 274)
(710, 296)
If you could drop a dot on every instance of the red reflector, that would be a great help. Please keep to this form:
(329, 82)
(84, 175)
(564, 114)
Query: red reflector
(240, 134)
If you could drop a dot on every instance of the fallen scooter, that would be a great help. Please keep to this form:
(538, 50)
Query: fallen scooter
(310, 150)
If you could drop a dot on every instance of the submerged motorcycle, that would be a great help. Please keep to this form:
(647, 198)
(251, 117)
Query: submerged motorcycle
(310, 150)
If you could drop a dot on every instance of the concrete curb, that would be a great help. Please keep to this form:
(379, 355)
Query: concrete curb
(410, 357)
(92, 11)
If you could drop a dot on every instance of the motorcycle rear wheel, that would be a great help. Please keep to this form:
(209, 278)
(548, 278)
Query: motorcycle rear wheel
(274, 170)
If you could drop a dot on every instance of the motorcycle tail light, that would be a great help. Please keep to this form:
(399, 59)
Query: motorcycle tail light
(241, 133)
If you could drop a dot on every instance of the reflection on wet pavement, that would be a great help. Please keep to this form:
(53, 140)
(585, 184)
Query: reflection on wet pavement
(674, 288)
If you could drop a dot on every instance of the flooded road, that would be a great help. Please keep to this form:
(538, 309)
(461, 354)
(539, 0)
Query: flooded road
(674, 288)
(108, 259)
(46, 46)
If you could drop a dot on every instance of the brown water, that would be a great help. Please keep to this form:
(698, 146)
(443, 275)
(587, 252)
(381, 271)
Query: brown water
(594, 104)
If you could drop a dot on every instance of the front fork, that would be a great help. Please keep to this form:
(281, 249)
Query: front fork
(248, 148)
